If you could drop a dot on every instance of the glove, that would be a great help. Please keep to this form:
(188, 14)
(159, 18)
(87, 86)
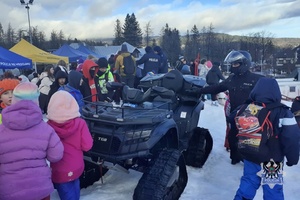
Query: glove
(289, 164)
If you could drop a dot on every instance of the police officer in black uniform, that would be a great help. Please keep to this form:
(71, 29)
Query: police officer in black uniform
(239, 84)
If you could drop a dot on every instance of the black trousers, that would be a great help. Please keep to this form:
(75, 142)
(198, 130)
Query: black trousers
(43, 102)
(233, 144)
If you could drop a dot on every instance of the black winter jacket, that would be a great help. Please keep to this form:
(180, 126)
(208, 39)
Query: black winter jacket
(214, 76)
(239, 87)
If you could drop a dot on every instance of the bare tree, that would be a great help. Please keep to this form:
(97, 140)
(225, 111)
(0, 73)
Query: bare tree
(10, 36)
(148, 33)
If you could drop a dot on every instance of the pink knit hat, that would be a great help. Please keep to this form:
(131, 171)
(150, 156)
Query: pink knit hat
(208, 64)
(62, 107)
(26, 91)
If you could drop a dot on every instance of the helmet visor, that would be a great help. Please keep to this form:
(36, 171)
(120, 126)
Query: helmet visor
(234, 56)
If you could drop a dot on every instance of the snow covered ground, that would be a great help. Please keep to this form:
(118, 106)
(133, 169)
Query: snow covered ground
(218, 179)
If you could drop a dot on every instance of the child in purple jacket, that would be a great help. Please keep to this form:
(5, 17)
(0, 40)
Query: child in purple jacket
(26, 141)
(64, 117)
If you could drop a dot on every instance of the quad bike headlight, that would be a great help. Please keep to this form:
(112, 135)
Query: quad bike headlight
(136, 134)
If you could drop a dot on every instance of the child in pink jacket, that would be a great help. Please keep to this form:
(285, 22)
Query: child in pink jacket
(64, 117)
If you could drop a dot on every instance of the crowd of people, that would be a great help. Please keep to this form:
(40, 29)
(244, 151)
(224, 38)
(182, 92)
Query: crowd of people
(60, 91)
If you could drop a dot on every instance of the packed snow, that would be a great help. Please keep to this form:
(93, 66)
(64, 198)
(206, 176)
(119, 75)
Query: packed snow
(217, 179)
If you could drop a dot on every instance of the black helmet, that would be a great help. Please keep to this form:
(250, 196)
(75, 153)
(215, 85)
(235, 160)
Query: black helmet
(242, 57)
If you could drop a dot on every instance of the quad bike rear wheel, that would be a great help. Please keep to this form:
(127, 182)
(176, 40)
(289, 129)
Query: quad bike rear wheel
(200, 146)
(165, 179)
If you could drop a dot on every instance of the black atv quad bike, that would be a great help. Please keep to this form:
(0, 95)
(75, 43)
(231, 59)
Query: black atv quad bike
(154, 131)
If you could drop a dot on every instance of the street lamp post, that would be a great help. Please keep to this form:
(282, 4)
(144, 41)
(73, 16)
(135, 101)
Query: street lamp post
(27, 7)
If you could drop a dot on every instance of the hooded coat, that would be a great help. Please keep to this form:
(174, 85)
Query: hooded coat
(26, 141)
(89, 84)
(284, 124)
(54, 87)
(63, 115)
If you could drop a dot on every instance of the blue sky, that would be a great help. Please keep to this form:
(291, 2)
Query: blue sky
(96, 18)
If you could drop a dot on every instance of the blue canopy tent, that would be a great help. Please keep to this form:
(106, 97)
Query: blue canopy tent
(11, 60)
(70, 52)
(86, 50)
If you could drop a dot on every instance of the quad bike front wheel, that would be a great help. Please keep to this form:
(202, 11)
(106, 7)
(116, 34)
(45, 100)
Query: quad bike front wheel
(200, 146)
(165, 179)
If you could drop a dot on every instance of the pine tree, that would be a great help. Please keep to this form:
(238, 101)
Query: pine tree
(195, 42)
(188, 46)
(118, 34)
(131, 31)
(54, 40)
(170, 42)
(2, 36)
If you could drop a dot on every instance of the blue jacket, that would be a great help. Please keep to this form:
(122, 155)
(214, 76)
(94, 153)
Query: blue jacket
(284, 124)
(75, 93)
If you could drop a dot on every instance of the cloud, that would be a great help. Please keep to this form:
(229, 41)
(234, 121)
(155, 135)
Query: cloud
(96, 18)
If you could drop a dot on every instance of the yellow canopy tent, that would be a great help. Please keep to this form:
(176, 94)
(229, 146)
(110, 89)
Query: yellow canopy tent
(37, 55)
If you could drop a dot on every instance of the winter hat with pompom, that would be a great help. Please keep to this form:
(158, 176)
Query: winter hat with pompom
(26, 91)
(62, 107)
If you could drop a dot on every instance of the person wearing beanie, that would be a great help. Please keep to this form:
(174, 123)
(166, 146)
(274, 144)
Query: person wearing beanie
(61, 78)
(163, 68)
(180, 63)
(26, 143)
(7, 86)
(208, 64)
(104, 76)
(125, 76)
(79, 65)
(89, 87)
(64, 118)
(73, 87)
(150, 60)
(6, 91)
(124, 48)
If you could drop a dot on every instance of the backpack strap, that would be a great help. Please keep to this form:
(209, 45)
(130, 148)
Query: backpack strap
(271, 106)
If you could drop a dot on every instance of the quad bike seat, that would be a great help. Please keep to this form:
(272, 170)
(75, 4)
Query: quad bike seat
(133, 95)
(173, 80)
